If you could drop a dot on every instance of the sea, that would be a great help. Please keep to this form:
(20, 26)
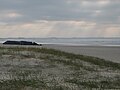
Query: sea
(70, 41)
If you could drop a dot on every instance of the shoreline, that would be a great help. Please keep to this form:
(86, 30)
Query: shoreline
(109, 53)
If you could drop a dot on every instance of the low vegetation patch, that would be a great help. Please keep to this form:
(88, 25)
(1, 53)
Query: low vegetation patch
(32, 68)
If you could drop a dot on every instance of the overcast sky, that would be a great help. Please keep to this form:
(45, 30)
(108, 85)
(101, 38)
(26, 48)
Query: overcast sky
(59, 18)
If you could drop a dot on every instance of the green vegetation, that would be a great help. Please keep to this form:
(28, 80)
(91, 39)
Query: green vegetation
(32, 68)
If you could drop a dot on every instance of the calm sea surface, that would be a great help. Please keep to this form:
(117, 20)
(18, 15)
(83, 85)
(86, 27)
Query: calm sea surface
(71, 41)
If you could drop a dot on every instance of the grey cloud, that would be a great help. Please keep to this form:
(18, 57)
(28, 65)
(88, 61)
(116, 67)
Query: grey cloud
(50, 9)
(104, 14)
(62, 10)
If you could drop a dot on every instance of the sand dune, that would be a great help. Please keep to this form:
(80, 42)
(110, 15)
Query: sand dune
(37, 68)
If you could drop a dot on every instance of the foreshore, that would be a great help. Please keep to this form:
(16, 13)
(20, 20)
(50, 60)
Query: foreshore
(111, 53)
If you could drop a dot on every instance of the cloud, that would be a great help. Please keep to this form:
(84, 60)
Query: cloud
(112, 31)
(63, 9)
(66, 18)
(9, 16)
(58, 29)
(13, 15)
(2, 23)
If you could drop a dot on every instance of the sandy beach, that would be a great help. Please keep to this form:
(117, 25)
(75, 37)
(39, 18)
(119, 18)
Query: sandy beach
(111, 53)
(26, 67)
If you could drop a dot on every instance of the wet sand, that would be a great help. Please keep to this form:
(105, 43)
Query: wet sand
(111, 53)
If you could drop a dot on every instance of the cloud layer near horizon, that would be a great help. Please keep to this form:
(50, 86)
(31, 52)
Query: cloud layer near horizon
(59, 18)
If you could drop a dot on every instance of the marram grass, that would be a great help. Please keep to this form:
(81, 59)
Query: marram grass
(32, 68)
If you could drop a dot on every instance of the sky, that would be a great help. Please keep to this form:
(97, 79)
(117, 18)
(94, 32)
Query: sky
(59, 18)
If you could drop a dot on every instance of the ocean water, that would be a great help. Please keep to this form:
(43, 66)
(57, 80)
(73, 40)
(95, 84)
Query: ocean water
(71, 41)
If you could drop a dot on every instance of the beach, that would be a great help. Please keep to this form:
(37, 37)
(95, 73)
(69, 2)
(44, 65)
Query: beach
(57, 67)
(111, 53)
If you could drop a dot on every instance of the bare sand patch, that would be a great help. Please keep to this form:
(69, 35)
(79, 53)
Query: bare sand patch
(111, 53)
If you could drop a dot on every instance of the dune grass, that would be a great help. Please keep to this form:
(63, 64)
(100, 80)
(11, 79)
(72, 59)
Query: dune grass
(32, 68)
